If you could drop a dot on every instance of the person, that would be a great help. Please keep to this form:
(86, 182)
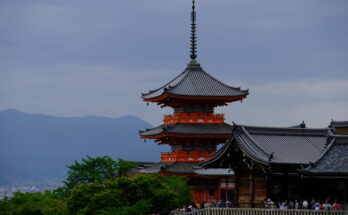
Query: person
(312, 203)
(228, 204)
(297, 204)
(207, 204)
(183, 209)
(222, 203)
(337, 206)
(291, 205)
(327, 205)
(282, 206)
(305, 204)
(272, 205)
(316, 206)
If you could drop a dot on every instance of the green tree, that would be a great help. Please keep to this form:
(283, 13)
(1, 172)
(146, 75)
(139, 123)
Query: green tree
(98, 169)
(124, 166)
(138, 195)
(181, 192)
(47, 203)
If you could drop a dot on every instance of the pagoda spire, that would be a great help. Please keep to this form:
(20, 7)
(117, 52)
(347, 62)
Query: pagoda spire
(193, 48)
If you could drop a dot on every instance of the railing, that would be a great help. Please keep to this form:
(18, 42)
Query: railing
(257, 211)
(186, 156)
(194, 118)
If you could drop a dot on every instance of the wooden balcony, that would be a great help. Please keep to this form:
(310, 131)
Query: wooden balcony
(186, 156)
(194, 118)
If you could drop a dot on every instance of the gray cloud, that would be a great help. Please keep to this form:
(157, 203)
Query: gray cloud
(74, 58)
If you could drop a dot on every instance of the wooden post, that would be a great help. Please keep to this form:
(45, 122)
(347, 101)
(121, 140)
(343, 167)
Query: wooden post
(236, 193)
(345, 195)
(251, 188)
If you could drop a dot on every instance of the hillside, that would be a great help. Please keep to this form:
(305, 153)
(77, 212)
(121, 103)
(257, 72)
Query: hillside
(33, 146)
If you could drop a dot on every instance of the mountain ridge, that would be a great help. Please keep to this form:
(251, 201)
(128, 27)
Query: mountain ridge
(40, 145)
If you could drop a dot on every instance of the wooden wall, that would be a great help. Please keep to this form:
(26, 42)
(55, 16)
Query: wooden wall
(251, 188)
(341, 131)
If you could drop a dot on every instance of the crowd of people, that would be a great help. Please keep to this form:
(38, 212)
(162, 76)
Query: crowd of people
(315, 204)
(268, 204)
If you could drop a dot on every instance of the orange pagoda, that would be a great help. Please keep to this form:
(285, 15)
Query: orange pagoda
(193, 131)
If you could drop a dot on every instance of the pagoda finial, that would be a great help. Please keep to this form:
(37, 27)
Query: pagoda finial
(193, 54)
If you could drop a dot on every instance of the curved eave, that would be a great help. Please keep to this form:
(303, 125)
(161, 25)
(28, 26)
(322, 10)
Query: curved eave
(217, 155)
(168, 134)
(250, 154)
(165, 96)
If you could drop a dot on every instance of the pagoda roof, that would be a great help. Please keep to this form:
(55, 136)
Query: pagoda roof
(334, 160)
(195, 82)
(189, 129)
(277, 145)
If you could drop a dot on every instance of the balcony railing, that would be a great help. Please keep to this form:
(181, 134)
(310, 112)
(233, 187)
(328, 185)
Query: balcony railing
(194, 118)
(257, 211)
(186, 156)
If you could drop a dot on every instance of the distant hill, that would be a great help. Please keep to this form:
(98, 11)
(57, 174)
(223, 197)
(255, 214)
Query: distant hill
(33, 145)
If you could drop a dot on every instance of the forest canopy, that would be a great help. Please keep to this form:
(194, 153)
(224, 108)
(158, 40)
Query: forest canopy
(98, 186)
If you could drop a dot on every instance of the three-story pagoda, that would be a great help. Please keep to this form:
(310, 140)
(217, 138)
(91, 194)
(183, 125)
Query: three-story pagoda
(193, 131)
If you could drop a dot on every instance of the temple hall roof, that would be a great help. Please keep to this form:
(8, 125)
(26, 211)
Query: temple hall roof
(195, 82)
(333, 161)
(189, 129)
(277, 145)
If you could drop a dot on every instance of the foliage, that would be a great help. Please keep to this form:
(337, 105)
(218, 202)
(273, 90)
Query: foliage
(47, 203)
(181, 191)
(96, 186)
(124, 166)
(97, 169)
(144, 193)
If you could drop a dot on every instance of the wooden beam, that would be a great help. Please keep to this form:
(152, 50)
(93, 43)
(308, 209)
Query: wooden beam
(251, 188)
(345, 195)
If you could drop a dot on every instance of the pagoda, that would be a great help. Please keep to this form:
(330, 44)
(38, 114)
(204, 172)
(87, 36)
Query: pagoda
(193, 131)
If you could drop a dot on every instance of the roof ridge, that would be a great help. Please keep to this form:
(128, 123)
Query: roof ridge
(283, 130)
(198, 68)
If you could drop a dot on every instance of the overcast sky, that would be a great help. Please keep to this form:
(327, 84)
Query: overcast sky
(82, 57)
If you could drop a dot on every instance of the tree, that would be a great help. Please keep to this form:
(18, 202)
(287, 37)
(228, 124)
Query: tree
(97, 169)
(47, 203)
(121, 196)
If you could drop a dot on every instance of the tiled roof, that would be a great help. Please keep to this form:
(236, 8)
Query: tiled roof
(190, 128)
(334, 160)
(282, 145)
(194, 81)
(277, 145)
(155, 168)
(339, 124)
(171, 167)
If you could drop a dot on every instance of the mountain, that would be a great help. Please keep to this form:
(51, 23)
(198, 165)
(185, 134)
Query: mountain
(35, 145)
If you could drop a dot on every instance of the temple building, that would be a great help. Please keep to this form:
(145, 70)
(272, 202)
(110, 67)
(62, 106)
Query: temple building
(193, 131)
(339, 127)
(254, 163)
(285, 163)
